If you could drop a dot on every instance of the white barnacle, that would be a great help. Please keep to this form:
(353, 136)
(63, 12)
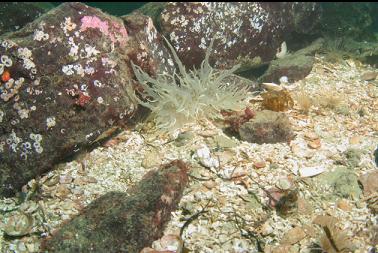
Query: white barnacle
(40, 35)
(8, 85)
(38, 138)
(24, 52)
(23, 113)
(36, 145)
(67, 69)
(4, 43)
(1, 116)
(50, 122)
(32, 136)
(24, 155)
(84, 87)
(282, 51)
(88, 136)
(26, 145)
(6, 61)
(14, 147)
(79, 69)
(97, 83)
(28, 64)
(89, 70)
(68, 25)
(100, 100)
(90, 50)
(39, 150)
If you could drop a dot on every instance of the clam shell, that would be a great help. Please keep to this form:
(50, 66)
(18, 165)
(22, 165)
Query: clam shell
(272, 86)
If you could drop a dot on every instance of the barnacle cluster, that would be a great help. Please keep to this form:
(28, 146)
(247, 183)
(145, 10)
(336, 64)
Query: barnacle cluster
(187, 96)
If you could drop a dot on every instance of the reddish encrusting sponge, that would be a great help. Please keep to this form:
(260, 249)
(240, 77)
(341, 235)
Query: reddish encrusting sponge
(83, 99)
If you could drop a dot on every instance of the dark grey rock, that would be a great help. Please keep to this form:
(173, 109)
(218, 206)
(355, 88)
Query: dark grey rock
(70, 84)
(249, 33)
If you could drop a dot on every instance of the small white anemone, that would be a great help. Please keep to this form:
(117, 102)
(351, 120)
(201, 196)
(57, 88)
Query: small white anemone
(185, 97)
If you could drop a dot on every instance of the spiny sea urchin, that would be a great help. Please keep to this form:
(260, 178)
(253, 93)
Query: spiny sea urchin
(187, 96)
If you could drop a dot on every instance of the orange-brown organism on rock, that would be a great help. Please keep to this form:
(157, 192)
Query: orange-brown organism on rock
(5, 77)
(277, 101)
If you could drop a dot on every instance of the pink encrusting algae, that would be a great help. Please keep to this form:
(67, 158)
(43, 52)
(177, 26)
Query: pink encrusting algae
(119, 33)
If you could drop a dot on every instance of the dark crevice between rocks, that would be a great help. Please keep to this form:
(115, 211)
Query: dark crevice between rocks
(71, 155)
(255, 73)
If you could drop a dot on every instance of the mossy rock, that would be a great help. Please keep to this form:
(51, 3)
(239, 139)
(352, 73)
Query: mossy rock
(353, 157)
(342, 183)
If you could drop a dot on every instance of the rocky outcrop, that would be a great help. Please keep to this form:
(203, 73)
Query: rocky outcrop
(119, 222)
(247, 33)
(66, 83)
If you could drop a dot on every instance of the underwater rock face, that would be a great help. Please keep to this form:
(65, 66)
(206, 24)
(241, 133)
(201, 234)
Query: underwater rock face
(146, 47)
(65, 83)
(14, 15)
(125, 222)
(247, 33)
(295, 66)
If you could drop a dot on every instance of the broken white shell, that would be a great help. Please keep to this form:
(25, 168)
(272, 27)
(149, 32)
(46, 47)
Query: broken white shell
(311, 171)
(272, 86)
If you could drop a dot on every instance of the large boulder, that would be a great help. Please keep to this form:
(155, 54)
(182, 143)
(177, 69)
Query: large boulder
(65, 83)
(247, 33)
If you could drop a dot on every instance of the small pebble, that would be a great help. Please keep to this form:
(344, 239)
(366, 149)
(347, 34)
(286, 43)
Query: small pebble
(311, 136)
(65, 179)
(283, 184)
(293, 236)
(209, 184)
(314, 144)
(62, 191)
(344, 205)
(266, 229)
(355, 140)
(369, 76)
(259, 165)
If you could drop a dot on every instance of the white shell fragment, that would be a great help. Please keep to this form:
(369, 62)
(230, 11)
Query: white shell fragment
(272, 86)
(204, 157)
(311, 171)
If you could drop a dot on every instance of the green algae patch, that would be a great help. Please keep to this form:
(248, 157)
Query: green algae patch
(341, 183)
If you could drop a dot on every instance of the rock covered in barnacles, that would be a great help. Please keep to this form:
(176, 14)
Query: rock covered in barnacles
(125, 222)
(65, 83)
(247, 33)
(152, 56)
